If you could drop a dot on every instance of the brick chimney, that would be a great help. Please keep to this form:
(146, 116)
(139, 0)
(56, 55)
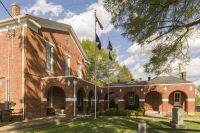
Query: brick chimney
(184, 75)
(132, 79)
(118, 80)
(15, 9)
(149, 78)
(140, 79)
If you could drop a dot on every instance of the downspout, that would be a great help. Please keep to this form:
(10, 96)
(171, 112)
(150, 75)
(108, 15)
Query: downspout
(23, 73)
(75, 83)
(6, 86)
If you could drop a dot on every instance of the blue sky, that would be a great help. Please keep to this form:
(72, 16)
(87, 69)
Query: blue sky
(80, 14)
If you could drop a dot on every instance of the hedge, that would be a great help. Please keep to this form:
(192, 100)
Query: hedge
(120, 112)
(133, 113)
(107, 112)
(126, 112)
(141, 109)
(113, 111)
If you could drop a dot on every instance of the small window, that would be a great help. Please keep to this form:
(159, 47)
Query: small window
(131, 99)
(79, 69)
(177, 98)
(67, 68)
(49, 57)
(67, 43)
(79, 97)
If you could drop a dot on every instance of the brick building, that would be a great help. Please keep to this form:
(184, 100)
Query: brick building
(43, 68)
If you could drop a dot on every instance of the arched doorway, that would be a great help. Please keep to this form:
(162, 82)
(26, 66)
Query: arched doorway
(80, 96)
(90, 100)
(131, 99)
(178, 99)
(55, 101)
(111, 100)
(153, 101)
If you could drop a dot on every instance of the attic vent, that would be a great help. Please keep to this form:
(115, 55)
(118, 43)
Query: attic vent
(131, 82)
(163, 74)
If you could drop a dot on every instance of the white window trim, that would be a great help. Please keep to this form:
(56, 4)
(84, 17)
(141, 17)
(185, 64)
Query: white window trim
(68, 64)
(79, 63)
(51, 45)
(177, 103)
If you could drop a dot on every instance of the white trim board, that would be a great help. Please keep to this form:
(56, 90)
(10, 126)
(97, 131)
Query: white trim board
(70, 99)
(142, 100)
(190, 99)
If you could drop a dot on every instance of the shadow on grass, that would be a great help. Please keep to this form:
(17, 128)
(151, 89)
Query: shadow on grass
(108, 125)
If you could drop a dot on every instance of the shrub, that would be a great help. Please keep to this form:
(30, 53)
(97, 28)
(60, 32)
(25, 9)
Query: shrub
(141, 109)
(133, 113)
(120, 112)
(89, 109)
(97, 114)
(127, 112)
(133, 107)
(168, 114)
(113, 111)
(107, 112)
(140, 113)
(101, 113)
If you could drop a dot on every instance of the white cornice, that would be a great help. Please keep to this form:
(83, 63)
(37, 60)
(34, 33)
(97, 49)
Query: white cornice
(145, 85)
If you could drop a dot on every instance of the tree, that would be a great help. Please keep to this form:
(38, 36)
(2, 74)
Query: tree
(166, 25)
(197, 96)
(125, 74)
(101, 62)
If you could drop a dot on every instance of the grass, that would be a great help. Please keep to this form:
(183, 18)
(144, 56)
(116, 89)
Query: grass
(111, 125)
(196, 116)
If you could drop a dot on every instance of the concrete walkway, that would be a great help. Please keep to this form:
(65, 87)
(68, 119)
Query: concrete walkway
(26, 125)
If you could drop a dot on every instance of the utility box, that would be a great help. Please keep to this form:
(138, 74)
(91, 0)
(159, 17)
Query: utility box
(6, 105)
(9, 105)
(12, 105)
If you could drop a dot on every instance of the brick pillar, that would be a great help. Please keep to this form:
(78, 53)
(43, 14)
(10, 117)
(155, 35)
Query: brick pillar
(44, 107)
(70, 108)
(121, 104)
(165, 105)
(190, 106)
(101, 105)
(141, 102)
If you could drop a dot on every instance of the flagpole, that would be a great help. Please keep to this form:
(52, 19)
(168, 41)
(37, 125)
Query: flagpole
(108, 74)
(95, 67)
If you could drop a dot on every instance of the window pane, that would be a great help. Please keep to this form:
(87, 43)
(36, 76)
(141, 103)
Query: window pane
(48, 58)
(67, 66)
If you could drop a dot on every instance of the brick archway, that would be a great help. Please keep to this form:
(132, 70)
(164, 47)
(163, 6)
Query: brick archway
(153, 101)
(178, 98)
(131, 98)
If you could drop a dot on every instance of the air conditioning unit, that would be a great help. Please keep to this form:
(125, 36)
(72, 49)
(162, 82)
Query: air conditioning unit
(12, 105)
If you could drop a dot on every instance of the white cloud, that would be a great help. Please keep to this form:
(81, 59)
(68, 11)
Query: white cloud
(130, 60)
(84, 23)
(69, 14)
(119, 57)
(41, 6)
(138, 72)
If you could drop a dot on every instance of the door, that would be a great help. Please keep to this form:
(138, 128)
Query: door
(155, 102)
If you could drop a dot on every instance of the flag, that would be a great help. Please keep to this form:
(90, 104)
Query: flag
(109, 46)
(97, 20)
(98, 40)
(110, 57)
(99, 45)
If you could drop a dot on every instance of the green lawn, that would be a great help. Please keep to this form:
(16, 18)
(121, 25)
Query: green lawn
(111, 125)
(196, 116)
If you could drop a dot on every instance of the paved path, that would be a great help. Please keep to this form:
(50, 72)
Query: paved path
(26, 125)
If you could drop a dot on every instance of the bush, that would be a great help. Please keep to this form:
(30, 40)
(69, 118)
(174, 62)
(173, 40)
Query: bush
(140, 113)
(168, 114)
(107, 112)
(113, 111)
(120, 112)
(89, 109)
(127, 112)
(133, 113)
(133, 107)
(97, 114)
(141, 109)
